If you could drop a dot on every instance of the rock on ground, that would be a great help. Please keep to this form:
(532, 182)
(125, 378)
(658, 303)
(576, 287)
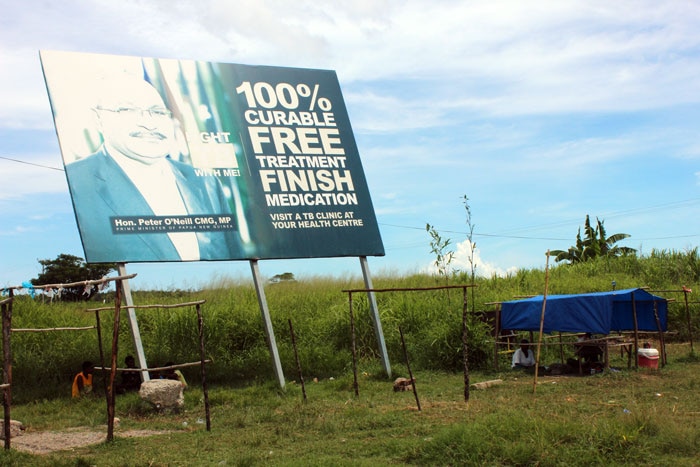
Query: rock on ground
(16, 429)
(164, 394)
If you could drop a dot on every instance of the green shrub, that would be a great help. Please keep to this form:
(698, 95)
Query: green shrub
(235, 341)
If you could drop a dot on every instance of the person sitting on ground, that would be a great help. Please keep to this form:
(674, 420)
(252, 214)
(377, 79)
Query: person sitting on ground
(523, 357)
(82, 382)
(587, 351)
(174, 374)
(131, 380)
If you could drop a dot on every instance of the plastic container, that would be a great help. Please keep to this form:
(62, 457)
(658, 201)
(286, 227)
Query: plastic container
(648, 358)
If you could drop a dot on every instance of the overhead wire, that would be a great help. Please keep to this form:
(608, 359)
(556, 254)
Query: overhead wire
(32, 163)
(502, 235)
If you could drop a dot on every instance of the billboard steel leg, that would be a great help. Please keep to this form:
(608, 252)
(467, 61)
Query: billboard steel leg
(133, 323)
(375, 316)
(269, 332)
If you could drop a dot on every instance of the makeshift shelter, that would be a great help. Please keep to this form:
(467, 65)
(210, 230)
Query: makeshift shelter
(598, 312)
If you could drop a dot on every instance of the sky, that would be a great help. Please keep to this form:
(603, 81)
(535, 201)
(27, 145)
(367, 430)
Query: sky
(540, 113)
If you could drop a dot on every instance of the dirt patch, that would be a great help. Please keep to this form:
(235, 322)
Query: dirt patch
(46, 442)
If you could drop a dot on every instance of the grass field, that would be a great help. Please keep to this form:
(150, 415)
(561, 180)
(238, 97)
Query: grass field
(625, 417)
(620, 417)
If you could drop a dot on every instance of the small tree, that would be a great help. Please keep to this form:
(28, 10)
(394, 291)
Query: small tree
(443, 256)
(472, 246)
(66, 269)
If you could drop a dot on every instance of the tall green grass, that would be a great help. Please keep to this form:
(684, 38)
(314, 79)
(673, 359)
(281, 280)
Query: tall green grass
(43, 363)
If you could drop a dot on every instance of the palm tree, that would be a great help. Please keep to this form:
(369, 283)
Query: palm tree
(595, 244)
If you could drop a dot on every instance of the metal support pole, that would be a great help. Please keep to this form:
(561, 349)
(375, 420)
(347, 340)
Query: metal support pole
(375, 316)
(133, 323)
(269, 332)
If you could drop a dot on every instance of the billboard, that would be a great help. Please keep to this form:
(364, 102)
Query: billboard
(182, 160)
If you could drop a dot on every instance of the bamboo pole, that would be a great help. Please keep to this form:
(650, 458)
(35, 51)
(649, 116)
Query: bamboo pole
(662, 344)
(83, 328)
(158, 368)
(687, 317)
(141, 307)
(497, 332)
(539, 339)
(74, 284)
(411, 289)
(636, 333)
(408, 366)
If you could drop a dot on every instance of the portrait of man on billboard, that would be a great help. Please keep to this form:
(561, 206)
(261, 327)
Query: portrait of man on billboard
(134, 192)
(184, 160)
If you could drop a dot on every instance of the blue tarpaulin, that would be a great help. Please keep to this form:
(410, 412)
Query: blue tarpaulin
(598, 312)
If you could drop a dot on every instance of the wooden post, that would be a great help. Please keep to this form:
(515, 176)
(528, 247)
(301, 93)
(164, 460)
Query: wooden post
(296, 357)
(636, 333)
(203, 368)
(662, 344)
(465, 348)
(561, 348)
(408, 366)
(497, 336)
(687, 317)
(606, 357)
(7, 365)
(352, 347)
(544, 305)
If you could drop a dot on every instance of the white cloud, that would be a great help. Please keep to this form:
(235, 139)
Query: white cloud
(505, 58)
(540, 111)
(461, 262)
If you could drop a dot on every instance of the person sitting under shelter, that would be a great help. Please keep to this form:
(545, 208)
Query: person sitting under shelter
(523, 357)
(82, 382)
(131, 379)
(588, 350)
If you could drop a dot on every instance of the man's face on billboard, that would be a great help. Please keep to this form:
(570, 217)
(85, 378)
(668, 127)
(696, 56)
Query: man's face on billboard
(135, 122)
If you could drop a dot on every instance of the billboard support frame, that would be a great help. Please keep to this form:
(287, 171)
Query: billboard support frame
(379, 333)
(133, 322)
(267, 322)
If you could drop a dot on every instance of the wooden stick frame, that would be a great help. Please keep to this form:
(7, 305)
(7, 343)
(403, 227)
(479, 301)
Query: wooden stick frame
(110, 393)
(7, 331)
(464, 288)
(6, 385)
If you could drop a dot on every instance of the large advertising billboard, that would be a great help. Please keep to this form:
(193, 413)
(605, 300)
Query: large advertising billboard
(182, 160)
